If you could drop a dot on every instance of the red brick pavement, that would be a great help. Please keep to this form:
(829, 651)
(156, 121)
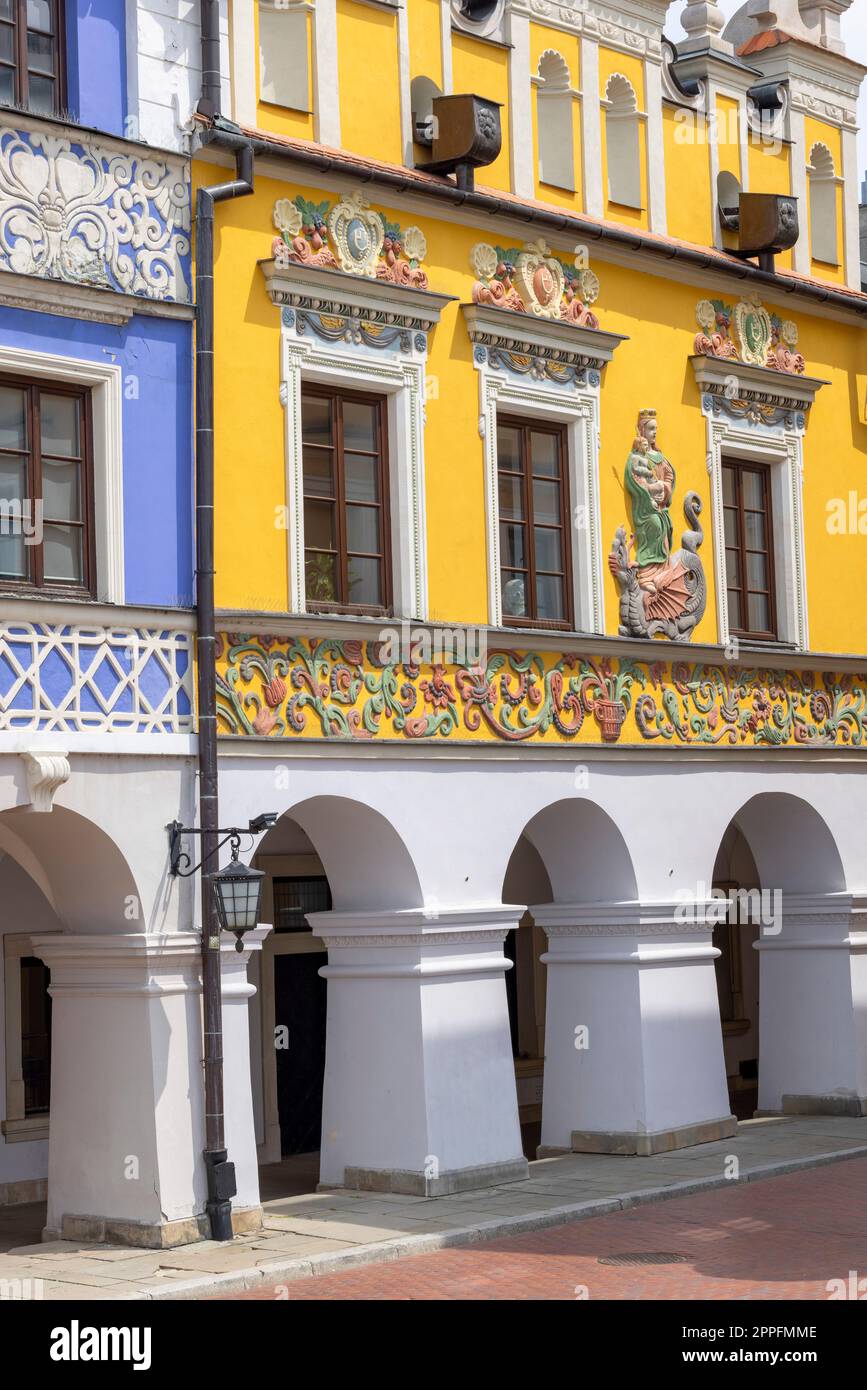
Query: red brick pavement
(781, 1238)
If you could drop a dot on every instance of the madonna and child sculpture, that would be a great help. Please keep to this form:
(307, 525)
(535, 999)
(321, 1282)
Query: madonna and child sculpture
(662, 591)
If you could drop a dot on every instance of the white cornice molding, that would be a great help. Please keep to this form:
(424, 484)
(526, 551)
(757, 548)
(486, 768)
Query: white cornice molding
(82, 302)
(632, 27)
(334, 292)
(550, 338)
(86, 613)
(786, 390)
(432, 925)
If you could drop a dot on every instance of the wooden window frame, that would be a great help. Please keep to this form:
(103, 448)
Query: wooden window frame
(738, 467)
(527, 426)
(20, 65)
(380, 403)
(35, 582)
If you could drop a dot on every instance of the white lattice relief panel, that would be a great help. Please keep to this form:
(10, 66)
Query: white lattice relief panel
(99, 215)
(75, 679)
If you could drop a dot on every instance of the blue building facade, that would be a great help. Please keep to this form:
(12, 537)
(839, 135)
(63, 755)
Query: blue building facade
(97, 741)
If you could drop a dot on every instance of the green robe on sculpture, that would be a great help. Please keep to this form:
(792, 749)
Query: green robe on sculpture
(647, 473)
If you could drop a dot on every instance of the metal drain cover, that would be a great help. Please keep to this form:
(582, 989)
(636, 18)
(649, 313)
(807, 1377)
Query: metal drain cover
(643, 1257)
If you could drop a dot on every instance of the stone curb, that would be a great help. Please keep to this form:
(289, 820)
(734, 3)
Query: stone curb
(333, 1262)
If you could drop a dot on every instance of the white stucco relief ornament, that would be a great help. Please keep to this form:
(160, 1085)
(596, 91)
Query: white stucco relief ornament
(46, 772)
(91, 216)
(358, 234)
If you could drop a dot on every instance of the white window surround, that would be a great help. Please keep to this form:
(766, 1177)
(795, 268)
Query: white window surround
(779, 445)
(366, 334)
(575, 404)
(402, 383)
(106, 385)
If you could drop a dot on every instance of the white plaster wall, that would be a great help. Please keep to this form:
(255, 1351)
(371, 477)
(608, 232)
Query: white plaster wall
(113, 846)
(164, 69)
(456, 820)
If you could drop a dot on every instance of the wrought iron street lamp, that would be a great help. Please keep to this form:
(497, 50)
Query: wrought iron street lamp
(237, 890)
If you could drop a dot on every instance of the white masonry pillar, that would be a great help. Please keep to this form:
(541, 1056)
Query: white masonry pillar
(237, 991)
(419, 1092)
(813, 1007)
(127, 1114)
(633, 1043)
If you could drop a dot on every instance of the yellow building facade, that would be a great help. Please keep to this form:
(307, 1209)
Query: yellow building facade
(540, 426)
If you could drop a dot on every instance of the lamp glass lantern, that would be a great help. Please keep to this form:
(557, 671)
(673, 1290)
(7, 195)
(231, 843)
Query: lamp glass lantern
(238, 891)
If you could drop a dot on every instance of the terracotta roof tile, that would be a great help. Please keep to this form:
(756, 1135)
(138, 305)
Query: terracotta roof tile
(418, 179)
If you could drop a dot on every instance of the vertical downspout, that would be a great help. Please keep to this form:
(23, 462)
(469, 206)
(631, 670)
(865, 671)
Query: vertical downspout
(220, 1173)
(209, 101)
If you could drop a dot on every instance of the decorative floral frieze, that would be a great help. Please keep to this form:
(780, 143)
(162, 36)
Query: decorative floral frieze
(753, 412)
(76, 678)
(760, 339)
(301, 687)
(364, 241)
(544, 349)
(535, 281)
(79, 212)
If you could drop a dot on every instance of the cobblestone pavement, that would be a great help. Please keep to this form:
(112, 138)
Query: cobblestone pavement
(782, 1238)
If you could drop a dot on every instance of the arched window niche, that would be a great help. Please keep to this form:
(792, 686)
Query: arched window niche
(554, 116)
(422, 93)
(823, 183)
(623, 142)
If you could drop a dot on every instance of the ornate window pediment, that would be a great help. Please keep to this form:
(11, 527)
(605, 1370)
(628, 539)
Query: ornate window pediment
(531, 315)
(758, 395)
(747, 366)
(350, 275)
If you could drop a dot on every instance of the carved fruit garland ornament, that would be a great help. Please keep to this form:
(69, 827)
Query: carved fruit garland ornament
(662, 591)
(535, 281)
(352, 237)
(762, 339)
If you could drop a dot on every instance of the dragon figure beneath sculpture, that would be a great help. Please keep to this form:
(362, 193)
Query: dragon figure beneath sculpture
(662, 592)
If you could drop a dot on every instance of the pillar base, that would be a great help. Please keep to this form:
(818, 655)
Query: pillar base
(418, 1185)
(854, 1106)
(662, 1141)
(166, 1235)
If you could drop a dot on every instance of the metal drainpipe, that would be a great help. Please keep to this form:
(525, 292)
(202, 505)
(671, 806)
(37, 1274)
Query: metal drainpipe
(220, 1173)
(209, 101)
